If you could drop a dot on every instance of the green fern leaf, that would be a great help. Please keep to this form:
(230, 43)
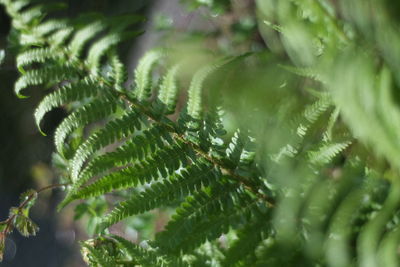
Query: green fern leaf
(37, 55)
(146, 257)
(239, 150)
(113, 131)
(136, 150)
(314, 111)
(14, 7)
(143, 75)
(49, 27)
(92, 112)
(118, 73)
(305, 72)
(140, 147)
(102, 46)
(160, 193)
(94, 256)
(194, 105)
(162, 164)
(248, 239)
(206, 215)
(66, 94)
(327, 152)
(98, 50)
(82, 36)
(58, 39)
(29, 16)
(46, 75)
(168, 92)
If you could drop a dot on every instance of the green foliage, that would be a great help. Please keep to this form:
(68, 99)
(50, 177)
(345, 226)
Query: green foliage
(298, 167)
(19, 219)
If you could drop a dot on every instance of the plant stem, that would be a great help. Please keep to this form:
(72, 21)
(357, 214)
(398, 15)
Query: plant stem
(11, 219)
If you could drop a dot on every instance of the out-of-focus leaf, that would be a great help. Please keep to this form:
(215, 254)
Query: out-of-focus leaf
(2, 56)
(26, 226)
(80, 210)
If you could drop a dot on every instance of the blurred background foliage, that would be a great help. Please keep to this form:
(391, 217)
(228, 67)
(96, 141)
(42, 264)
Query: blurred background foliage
(318, 91)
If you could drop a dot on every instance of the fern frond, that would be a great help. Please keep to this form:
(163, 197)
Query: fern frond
(92, 112)
(212, 133)
(95, 257)
(248, 239)
(59, 38)
(327, 152)
(45, 75)
(113, 131)
(146, 257)
(99, 49)
(314, 111)
(239, 149)
(143, 75)
(168, 92)
(305, 72)
(194, 105)
(118, 73)
(190, 218)
(375, 110)
(162, 164)
(13, 7)
(66, 94)
(303, 125)
(82, 36)
(210, 179)
(29, 16)
(136, 150)
(36, 55)
(331, 123)
(163, 192)
(205, 216)
(49, 27)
